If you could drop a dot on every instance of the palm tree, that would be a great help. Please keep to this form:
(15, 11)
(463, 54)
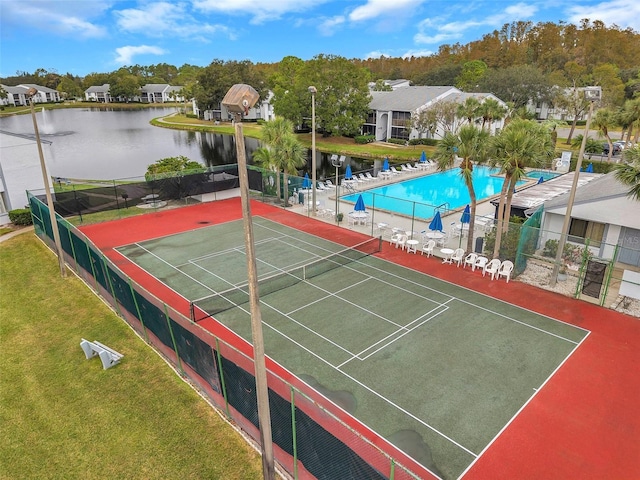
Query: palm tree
(628, 172)
(264, 157)
(468, 109)
(291, 155)
(522, 144)
(470, 145)
(273, 134)
(491, 110)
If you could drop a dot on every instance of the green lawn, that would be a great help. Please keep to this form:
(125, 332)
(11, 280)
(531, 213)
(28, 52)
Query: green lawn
(65, 417)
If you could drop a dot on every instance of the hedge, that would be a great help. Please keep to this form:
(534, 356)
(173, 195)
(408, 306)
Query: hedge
(20, 216)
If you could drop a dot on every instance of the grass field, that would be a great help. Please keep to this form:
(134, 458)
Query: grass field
(65, 417)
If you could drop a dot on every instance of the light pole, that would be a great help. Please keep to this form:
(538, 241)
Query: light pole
(45, 179)
(593, 94)
(337, 162)
(313, 92)
(240, 98)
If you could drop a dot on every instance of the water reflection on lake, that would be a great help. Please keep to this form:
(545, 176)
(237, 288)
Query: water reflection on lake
(98, 144)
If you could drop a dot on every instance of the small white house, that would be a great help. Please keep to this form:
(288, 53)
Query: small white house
(603, 215)
(17, 96)
(98, 93)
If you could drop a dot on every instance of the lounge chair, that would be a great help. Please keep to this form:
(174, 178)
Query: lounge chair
(470, 260)
(428, 248)
(480, 263)
(505, 270)
(321, 187)
(394, 171)
(408, 168)
(329, 184)
(492, 268)
(458, 256)
(370, 177)
(362, 178)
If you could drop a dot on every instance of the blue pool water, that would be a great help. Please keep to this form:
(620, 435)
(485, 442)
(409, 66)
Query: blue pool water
(546, 174)
(421, 196)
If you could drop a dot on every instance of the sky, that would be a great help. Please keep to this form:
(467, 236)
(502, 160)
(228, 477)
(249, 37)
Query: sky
(86, 36)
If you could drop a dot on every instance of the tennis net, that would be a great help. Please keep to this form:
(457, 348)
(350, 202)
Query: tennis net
(217, 303)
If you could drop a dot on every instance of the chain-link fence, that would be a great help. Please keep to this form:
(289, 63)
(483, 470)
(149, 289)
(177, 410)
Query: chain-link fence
(312, 437)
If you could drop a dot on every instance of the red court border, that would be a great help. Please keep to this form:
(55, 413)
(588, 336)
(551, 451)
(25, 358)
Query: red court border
(584, 423)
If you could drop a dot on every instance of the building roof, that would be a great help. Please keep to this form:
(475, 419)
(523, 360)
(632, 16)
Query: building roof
(460, 97)
(407, 99)
(40, 88)
(530, 198)
(98, 88)
(14, 90)
(603, 200)
(155, 87)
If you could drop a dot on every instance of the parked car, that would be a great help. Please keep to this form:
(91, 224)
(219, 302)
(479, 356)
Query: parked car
(617, 148)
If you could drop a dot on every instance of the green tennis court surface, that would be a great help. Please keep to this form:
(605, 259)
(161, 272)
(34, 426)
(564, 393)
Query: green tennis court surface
(436, 369)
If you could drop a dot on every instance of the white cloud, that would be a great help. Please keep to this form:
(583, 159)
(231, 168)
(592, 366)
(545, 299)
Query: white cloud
(62, 18)
(125, 54)
(624, 13)
(327, 27)
(433, 31)
(162, 18)
(417, 53)
(260, 10)
(378, 8)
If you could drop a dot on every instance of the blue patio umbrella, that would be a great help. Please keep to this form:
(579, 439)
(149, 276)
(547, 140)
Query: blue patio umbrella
(359, 206)
(306, 182)
(541, 179)
(590, 168)
(423, 157)
(385, 165)
(347, 173)
(466, 215)
(436, 223)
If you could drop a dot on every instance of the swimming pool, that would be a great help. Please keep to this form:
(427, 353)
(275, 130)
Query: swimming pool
(545, 174)
(421, 196)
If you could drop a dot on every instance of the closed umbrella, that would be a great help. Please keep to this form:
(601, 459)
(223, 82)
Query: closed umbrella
(466, 215)
(347, 173)
(590, 168)
(385, 165)
(359, 206)
(306, 182)
(436, 223)
(541, 179)
(423, 157)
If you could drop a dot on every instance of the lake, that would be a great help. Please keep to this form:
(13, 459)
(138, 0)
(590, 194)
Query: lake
(115, 144)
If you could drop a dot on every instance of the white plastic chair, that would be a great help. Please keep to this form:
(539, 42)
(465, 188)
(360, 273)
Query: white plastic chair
(492, 268)
(480, 263)
(505, 270)
(470, 260)
(458, 256)
(428, 248)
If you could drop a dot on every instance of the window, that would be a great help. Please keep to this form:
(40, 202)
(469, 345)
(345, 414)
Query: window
(579, 230)
(399, 122)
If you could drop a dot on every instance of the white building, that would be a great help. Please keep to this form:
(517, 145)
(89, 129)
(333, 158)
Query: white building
(17, 96)
(392, 111)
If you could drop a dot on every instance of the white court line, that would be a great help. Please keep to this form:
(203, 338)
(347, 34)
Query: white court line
(382, 397)
(478, 306)
(335, 294)
(170, 265)
(515, 415)
(220, 253)
(436, 312)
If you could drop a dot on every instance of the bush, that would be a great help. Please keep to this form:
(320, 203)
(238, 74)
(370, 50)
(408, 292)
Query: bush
(432, 142)
(21, 216)
(364, 139)
(191, 115)
(397, 141)
(570, 253)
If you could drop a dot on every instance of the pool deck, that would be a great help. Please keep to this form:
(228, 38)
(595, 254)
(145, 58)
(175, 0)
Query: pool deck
(327, 201)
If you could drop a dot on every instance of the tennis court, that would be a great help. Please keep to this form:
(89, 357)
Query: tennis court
(436, 369)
